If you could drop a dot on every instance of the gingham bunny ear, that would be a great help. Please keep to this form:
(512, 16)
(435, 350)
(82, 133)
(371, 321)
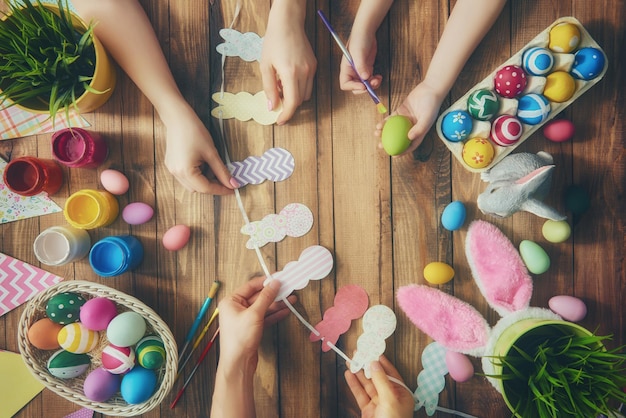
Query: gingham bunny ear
(497, 268)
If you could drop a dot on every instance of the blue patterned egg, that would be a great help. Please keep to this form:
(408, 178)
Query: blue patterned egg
(533, 109)
(64, 308)
(151, 352)
(66, 365)
(456, 125)
(483, 104)
(588, 63)
(537, 61)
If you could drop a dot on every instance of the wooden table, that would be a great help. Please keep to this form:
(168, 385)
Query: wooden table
(379, 217)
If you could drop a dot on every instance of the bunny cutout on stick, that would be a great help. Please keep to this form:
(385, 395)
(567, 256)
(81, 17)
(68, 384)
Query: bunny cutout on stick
(519, 183)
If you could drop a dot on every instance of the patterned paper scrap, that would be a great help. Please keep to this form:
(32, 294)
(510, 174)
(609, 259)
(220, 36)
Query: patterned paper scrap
(294, 220)
(350, 303)
(314, 263)
(244, 106)
(81, 413)
(379, 322)
(276, 164)
(20, 281)
(16, 122)
(14, 207)
(431, 380)
(247, 45)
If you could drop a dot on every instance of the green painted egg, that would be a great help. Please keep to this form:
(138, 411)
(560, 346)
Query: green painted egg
(64, 308)
(66, 365)
(483, 104)
(535, 257)
(150, 352)
(395, 135)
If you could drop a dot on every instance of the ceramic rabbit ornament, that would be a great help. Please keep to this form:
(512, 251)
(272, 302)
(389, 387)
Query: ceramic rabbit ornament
(519, 183)
(502, 279)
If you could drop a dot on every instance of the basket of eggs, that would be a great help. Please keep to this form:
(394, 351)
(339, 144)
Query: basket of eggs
(98, 347)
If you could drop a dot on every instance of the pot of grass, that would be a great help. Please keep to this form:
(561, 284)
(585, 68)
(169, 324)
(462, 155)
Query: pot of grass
(555, 368)
(50, 60)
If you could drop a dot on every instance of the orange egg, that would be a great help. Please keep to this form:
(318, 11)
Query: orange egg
(43, 334)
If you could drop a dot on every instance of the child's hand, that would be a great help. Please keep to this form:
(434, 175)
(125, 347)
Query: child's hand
(421, 106)
(379, 397)
(363, 50)
(287, 65)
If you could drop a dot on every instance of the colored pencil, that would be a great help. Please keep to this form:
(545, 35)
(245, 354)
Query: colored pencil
(197, 341)
(196, 322)
(193, 371)
(381, 107)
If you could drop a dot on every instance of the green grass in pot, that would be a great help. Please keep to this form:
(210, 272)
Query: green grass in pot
(561, 375)
(44, 61)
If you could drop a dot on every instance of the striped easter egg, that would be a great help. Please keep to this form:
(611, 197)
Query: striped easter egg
(118, 360)
(537, 61)
(151, 352)
(66, 365)
(533, 109)
(506, 130)
(483, 104)
(76, 338)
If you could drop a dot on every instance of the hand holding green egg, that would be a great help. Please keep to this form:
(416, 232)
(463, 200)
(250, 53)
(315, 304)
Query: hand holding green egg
(395, 135)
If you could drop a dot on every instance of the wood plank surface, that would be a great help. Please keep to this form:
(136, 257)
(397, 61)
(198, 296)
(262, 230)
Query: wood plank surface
(379, 216)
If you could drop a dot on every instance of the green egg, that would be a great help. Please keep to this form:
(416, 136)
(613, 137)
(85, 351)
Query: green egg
(556, 231)
(535, 257)
(150, 352)
(64, 308)
(395, 135)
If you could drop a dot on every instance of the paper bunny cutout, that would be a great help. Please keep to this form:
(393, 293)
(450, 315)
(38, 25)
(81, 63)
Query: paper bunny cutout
(294, 220)
(519, 183)
(276, 164)
(247, 45)
(502, 279)
(379, 322)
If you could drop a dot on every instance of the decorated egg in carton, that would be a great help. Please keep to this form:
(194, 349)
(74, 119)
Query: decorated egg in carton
(499, 113)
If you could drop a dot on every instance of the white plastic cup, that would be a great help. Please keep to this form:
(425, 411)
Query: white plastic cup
(59, 245)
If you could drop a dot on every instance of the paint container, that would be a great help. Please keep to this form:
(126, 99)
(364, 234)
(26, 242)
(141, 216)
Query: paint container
(89, 209)
(76, 147)
(60, 245)
(112, 256)
(29, 176)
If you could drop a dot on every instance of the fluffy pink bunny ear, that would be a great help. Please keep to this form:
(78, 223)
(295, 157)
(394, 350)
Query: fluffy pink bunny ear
(497, 268)
(451, 322)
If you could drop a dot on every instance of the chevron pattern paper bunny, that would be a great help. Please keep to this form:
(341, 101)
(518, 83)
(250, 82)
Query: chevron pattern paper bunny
(276, 164)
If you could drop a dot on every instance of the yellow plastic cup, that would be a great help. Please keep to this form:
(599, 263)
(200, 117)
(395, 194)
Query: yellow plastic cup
(89, 209)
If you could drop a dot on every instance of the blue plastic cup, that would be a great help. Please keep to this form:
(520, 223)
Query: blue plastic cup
(112, 256)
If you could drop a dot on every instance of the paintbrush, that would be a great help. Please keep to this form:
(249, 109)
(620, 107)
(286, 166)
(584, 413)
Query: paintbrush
(197, 341)
(379, 105)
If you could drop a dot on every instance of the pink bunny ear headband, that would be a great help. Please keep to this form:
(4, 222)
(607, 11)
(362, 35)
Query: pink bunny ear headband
(502, 279)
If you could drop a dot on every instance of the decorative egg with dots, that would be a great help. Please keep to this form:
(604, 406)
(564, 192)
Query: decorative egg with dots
(456, 125)
(478, 152)
(506, 130)
(77, 338)
(564, 37)
(533, 109)
(588, 63)
(151, 352)
(118, 360)
(560, 87)
(483, 104)
(510, 81)
(537, 61)
(64, 308)
(66, 365)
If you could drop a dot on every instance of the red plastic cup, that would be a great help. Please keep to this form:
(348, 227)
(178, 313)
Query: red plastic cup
(76, 147)
(29, 176)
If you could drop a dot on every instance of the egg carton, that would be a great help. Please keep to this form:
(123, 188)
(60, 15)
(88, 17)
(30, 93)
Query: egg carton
(535, 84)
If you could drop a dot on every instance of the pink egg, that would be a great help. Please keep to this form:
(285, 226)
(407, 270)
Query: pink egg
(114, 182)
(510, 81)
(459, 365)
(176, 237)
(559, 130)
(137, 213)
(100, 385)
(506, 130)
(118, 360)
(570, 308)
(96, 313)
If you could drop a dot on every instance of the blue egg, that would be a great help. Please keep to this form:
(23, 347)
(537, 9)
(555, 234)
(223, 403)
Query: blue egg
(588, 63)
(537, 61)
(533, 109)
(456, 125)
(138, 385)
(453, 216)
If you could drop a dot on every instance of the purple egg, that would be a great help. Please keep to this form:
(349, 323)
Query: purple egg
(137, 213)
(100, 385)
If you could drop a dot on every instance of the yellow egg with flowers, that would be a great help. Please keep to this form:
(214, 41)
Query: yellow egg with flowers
(478, 152)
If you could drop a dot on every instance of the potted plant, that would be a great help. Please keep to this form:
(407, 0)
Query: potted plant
(50, 60)
(555, 368)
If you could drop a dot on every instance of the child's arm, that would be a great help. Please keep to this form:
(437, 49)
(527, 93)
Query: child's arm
(362, 46)
(287, 61)
(469, 21)
(125, 31)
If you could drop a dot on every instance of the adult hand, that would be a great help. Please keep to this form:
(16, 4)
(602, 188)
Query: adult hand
(379, 397)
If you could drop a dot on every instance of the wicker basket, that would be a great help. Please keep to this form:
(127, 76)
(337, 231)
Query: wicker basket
(72, 389)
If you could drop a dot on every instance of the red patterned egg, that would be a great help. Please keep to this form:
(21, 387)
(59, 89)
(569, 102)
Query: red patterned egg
(510, 81)
(506, 130)
(118, 360)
